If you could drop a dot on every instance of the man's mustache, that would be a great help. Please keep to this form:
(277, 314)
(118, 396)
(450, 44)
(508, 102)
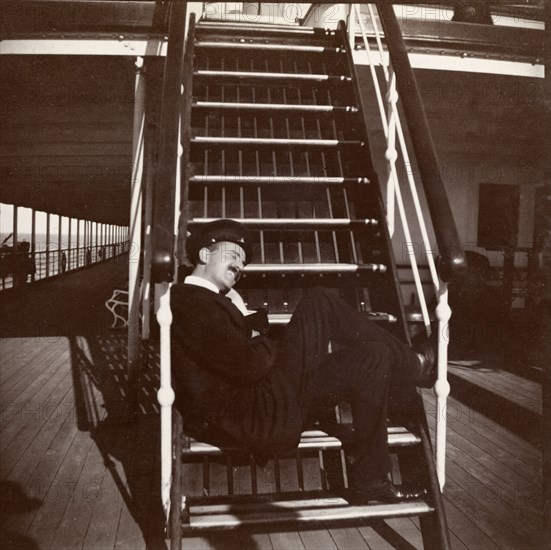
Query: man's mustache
(236, 271)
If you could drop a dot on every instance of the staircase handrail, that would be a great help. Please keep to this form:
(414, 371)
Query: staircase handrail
(451, 257)
(162, 260)
(391, 127)
(401, 85)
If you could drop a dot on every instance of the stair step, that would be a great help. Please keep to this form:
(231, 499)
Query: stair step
(319, 509)
(253, 75)
(296, 223)
(273, 107)
(313, 440)
(275, 142)
(317, 269)
(276, 180)
(284, 318)
(254, 46)
(221, 25)
(329, 501)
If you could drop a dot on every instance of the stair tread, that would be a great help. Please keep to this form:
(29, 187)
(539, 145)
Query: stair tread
(310, 440)
(250, 45)
(214, 24)
(267, 75)
(338, 267)
(284, 318)
(314, 223)
(276, 141)
(274, 106)
(277, 179)
(324, 509)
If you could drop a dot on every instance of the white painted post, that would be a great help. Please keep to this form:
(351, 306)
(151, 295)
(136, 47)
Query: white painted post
(165, 395)
(69, 241)
(78, 242)
(48, 244)
(352, 26)
(33, 241)
(59, 247)
(148, 221)
(14, 227)
(135, 222)
(442, 386)
(391, 154)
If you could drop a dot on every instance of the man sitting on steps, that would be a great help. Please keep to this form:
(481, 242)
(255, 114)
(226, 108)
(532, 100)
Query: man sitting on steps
(234, 385)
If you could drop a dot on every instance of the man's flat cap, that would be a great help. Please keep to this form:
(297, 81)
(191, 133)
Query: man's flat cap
(215, 232)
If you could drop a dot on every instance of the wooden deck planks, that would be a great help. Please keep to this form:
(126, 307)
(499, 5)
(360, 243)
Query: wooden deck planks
(43, 357)
(317, 538)
(18, 357)
(463, 528)
(496, 505)
(44, 472)
(47, 444)
(472, 421)
(500, 481)
(286, 539)
(22, 431)
(515, 389)
(251, 540)
(348, 538)
(60, 492)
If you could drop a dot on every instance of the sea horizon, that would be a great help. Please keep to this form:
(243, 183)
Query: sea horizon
(40, 240)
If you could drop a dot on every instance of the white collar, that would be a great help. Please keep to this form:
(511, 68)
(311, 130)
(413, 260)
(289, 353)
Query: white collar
(199, 281)
(232, 294)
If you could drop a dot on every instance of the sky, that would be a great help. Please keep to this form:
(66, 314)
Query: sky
(24, 222)
(24, 217)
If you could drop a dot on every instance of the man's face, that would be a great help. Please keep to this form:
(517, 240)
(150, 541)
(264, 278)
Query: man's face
(224, 264)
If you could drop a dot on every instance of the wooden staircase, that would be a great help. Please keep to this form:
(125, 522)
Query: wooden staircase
(274, 136)
(278, 142)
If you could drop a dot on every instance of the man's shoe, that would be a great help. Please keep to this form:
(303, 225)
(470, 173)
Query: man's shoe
(427, 352)
(383, 491)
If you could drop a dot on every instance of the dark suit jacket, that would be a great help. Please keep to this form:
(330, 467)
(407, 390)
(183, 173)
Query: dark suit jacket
(228, 386)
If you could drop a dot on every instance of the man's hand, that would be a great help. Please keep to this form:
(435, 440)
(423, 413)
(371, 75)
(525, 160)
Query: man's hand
(258, 322)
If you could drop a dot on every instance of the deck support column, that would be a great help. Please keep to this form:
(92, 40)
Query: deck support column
(78, 241)
(59, 245)
(148, 222)
(135, 229)
(48, 243)
(69, 243)
(33, 242)
(15, 277)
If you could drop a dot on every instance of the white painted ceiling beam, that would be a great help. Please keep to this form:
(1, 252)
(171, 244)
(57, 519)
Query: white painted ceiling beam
(80, 46)
(157, 47)
(442, 62)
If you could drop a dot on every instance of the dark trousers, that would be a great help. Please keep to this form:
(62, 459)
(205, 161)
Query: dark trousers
(366, 364)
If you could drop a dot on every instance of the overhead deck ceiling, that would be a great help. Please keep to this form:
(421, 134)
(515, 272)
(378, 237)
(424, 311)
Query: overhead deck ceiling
(134, 19)
(66, 140)
(23, 18)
